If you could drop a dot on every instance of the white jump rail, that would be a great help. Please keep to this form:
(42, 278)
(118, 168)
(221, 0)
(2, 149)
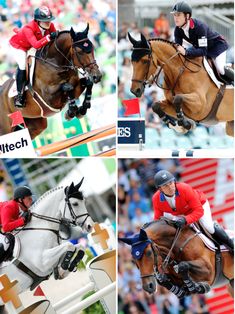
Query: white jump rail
(84, 303)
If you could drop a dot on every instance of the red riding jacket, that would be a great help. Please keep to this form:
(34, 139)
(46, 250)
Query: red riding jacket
(9, 216)
(31, 36)
(188, 203)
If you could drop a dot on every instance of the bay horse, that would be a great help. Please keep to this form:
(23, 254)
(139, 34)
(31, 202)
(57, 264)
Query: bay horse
(190, 94)
(42, 247)
(56, 82)
(179, 260)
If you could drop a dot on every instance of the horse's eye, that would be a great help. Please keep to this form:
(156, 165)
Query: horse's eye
(75, 204)
(145, 61)
(149, 253)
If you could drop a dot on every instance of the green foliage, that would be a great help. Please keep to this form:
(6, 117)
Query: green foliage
(81, 265)
(95, 308)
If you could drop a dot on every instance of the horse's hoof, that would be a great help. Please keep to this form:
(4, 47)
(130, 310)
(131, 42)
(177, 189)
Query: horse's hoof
(67, 116)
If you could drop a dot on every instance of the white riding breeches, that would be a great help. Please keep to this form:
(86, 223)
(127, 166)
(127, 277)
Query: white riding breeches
(205, 220)
(220, 62)
(4, 241)
(20, 57)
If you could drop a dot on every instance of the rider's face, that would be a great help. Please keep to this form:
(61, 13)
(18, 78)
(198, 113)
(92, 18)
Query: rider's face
(45, 25)
(179, 18)
(28, 201)
(168, 189)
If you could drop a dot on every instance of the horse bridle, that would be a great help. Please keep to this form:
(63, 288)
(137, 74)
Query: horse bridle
(156, 77)
(155, 265)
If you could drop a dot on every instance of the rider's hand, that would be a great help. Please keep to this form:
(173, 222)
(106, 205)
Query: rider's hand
(181, 50)
(53, 35)
(26, 216)
(180, 222)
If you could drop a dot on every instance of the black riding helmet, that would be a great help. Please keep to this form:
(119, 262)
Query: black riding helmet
(43, 14)
(163, 177)
(21, 192)
(183, 7)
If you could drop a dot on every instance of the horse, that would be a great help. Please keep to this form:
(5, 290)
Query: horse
(178, 260)
(190, 94)
(55, 83)
(42, 249)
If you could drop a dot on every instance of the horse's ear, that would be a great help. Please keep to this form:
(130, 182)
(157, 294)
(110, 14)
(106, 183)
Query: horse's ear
(69, 189)
(77, 187)
(143, 235)
(72, 32)
(132, 40)
(144, 40)
(128, 241)
(87, 29)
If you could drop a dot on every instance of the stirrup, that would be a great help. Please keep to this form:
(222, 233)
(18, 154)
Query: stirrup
(19, 101)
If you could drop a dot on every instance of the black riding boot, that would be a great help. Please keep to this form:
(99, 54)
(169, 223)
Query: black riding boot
(20, 84)
(2, 253)
(222, 238)
(228, 75)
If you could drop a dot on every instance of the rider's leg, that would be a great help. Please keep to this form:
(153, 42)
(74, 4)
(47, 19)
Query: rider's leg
(20, 57)
(226, 73)
(4, 245)
(215, 230)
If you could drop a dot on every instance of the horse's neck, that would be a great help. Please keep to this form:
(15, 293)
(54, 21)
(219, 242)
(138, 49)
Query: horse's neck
(164, 51)
(60, 48)
(49, 204)
(160, 233)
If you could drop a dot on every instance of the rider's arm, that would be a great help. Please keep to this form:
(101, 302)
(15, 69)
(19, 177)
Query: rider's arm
(52, 28)
(28, 33)
(157, 212)
(194, 203)
(177, 36)
(8, 221)
(202, 42)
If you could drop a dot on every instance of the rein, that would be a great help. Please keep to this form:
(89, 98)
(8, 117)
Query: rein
(155, 79)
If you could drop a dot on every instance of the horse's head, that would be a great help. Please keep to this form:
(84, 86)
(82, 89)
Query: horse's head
(76, 209)
(142, 66)
(83, 54)
(144, 256)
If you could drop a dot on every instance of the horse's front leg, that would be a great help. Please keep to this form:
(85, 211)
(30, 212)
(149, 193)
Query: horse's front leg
(165, 281)
(169, 120)
(183, 269)
(82, 110)
(185, 123)
(51, 257)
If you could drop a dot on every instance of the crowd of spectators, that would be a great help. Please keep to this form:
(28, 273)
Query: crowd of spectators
(159, 28)
(100, 14)
(135, 191)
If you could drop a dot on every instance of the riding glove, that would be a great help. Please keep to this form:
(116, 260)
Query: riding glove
(53, 35)
(180, 222)
(26, 216)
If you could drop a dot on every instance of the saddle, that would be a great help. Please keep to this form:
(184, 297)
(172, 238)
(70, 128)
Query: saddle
(12, 250)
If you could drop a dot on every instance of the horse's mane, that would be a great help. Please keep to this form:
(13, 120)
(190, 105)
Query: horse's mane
(165, 41)
(162, 221)
(45, 195)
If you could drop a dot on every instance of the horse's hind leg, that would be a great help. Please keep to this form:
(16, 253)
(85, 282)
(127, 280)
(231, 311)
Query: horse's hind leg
(36, 126)
(193, 287)
(230, 128)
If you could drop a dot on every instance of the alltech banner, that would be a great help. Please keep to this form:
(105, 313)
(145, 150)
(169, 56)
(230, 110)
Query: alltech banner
(16, 144)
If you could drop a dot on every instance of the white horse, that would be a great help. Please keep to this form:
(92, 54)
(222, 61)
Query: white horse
(41, 245)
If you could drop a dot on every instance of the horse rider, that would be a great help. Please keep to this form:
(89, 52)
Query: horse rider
(189, 205)
(13, 214)
(204, 41)
(36, 34)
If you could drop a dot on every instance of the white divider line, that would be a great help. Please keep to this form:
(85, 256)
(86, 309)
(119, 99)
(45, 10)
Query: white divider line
(90, 286)
(91, 299)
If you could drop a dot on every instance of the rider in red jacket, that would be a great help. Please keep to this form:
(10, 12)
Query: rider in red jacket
(14, 214)
(36, 34)
(184, 205)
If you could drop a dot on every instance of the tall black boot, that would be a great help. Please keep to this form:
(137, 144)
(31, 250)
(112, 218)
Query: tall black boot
(228, 75)
(222, 238)
(2, 253)
(20, 84)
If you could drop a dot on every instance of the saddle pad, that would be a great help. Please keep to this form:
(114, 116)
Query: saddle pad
(210, 72)
(208, 243)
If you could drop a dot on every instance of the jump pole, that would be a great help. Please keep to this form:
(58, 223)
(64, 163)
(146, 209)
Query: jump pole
(77, 140)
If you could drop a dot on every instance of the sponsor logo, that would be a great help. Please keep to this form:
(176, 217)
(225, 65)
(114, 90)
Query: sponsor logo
(124, 132)
(6, 147)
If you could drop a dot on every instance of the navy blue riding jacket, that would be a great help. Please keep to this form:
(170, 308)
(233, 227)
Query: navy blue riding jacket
(205, 42)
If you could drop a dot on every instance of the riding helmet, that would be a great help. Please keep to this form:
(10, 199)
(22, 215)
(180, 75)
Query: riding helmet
(22, 191)
(163, 177)
(182, 6)
(43, 14)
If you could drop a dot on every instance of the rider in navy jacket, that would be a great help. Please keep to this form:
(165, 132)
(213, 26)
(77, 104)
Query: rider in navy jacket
(204, 41)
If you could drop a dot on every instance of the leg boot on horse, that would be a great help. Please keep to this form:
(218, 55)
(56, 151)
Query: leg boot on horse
(20, 84)
(222, 238)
